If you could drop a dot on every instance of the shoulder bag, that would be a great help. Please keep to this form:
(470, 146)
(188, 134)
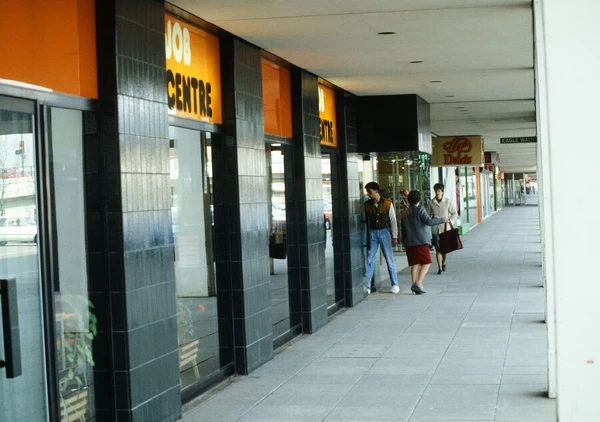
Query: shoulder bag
(449, 240)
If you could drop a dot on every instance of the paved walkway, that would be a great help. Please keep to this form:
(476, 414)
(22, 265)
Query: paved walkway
(473, 348)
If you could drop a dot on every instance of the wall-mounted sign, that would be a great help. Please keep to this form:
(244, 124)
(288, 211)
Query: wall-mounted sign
(277, 99)
(457, 151)
(327, 116)
(193, 71)
(521, 140)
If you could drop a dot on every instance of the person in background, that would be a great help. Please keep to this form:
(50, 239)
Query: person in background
(382, 230)
(439, 206)
(415, 238)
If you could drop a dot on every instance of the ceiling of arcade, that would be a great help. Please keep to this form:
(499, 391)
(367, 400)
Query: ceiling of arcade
(472, 60)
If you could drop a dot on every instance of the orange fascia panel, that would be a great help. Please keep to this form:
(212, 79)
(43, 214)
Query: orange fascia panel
(88, 63)
(50, 44)
(327, 117)
(277, 101)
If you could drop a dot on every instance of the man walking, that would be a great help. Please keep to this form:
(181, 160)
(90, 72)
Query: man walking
(382, 230)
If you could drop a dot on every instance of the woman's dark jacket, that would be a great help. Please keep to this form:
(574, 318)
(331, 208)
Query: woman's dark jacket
(413, 226)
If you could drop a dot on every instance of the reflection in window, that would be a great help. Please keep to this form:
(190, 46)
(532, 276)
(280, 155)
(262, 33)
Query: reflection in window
(75, 318)
(328, 229)
(280, 302)
(192, 214)
(21, 398)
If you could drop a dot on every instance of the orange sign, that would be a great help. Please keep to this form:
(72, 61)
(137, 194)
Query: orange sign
(193, 71)
(327, 116)
(457, 151)
(50, 44)
(277, 99)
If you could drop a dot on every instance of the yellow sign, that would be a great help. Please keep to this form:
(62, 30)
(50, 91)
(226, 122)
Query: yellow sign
(193, 71)
(457, 151)
(327, 116)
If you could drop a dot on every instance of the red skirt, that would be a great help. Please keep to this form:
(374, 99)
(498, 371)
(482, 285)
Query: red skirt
(418, 255)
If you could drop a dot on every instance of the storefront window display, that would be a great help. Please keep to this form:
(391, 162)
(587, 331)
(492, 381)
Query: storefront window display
(396, 172)
(487, 193)
(466, 196)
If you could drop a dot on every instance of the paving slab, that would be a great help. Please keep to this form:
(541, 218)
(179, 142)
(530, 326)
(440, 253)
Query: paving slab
(473, 348)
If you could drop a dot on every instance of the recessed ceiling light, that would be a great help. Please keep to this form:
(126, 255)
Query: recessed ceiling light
(435, 82)
(417, 61)
(386, 33)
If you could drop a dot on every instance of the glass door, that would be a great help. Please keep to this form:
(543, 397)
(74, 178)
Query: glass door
(335, 291)
(22, 398)
(75, 323)
(192, 210)
(280, 300)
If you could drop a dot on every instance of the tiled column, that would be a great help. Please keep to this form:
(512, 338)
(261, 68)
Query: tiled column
(246, 204)
(350, 202)
(135, 144)
(308, 200)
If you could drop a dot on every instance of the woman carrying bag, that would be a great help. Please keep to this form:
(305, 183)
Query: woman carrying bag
(439, 206)
(415, 238)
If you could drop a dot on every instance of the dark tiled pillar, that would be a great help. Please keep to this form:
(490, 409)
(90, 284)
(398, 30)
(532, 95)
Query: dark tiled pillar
(246, 204)
(351, 198)
(308, 200)
(137, 190)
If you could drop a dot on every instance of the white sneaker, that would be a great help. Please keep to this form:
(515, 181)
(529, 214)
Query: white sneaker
(395, 289)
(368, 291)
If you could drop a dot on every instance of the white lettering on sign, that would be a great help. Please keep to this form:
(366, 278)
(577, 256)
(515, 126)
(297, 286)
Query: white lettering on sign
(177, 43)
(321, 100)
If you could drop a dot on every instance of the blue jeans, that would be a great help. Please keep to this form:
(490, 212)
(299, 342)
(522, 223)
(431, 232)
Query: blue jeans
(384, 238)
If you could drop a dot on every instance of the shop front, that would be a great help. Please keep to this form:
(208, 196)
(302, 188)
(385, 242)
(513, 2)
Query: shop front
(49, 292)
(204, 325)
(277, 109)
(399, 148)
(330, 174)
(164, 223)
(465, 154)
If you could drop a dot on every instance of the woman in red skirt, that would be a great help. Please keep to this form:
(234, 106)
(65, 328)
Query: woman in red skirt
(416, 238)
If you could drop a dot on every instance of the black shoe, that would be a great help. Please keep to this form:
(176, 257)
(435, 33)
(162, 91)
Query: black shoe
(439, 272)
(443, 267)
(416, 290)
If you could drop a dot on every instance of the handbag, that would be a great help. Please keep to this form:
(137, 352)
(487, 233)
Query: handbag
(450, 240)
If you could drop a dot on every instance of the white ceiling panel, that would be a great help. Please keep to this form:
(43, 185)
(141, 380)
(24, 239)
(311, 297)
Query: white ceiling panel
(481, 51)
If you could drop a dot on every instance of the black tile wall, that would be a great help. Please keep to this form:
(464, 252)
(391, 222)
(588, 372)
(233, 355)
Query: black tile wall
(137, 229)
(243, 253)
(352, 242)
(307, 202)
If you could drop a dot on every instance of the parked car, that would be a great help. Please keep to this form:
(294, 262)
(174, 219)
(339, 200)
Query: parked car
(17, 229)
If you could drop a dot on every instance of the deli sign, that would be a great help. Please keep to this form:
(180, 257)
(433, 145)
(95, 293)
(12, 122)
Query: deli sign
(193, 71)
(457, 151)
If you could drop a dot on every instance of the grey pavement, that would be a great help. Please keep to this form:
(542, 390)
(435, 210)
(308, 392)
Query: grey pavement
(473, 348)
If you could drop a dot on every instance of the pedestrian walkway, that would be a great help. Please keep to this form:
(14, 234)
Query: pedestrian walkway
(473, 348)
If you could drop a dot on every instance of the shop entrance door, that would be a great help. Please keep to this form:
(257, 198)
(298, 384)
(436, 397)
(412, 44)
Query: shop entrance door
(23, 380)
